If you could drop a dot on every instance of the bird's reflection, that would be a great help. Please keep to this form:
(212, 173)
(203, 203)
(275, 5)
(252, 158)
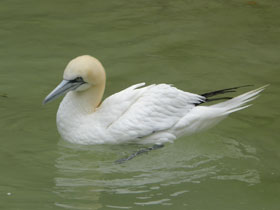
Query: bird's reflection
(88, 178)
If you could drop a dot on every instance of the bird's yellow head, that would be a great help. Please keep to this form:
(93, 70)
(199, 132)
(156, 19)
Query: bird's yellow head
(80, 74)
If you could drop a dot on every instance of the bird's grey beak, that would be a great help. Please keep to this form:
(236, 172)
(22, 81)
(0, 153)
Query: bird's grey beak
(64, 87)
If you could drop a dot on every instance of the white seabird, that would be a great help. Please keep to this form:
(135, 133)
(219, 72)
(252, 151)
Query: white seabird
(152, 114)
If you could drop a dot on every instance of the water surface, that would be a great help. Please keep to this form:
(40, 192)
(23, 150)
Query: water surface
(196, 45)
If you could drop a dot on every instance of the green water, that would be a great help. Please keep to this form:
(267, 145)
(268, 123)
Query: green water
(198, 46)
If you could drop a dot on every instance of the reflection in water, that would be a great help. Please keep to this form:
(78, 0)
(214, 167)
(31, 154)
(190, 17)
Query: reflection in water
(88, 177)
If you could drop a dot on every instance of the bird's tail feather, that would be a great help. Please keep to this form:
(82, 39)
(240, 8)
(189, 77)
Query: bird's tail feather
(208, 96)
(237, 103)
(204, 117)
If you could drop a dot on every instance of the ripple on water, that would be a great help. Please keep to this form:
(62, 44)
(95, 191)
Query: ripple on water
(89, 173)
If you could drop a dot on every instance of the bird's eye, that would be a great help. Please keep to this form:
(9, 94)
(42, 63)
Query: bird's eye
(78, 79)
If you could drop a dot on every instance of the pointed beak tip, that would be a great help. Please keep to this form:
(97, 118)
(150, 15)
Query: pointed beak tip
(45, 101)
(61, 89)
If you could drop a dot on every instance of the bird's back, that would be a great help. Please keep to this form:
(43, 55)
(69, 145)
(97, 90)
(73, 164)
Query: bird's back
(136, 113)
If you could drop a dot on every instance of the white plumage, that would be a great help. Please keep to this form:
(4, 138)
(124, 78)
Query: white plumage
(151, 114)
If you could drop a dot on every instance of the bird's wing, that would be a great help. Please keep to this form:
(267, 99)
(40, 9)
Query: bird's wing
(138, 112)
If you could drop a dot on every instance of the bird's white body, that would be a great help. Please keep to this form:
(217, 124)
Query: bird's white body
(152, 114)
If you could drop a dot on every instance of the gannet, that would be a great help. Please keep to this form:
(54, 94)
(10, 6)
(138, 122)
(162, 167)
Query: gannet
(153, 114)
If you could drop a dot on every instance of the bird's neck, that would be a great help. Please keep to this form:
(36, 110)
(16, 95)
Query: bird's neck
(84, 102)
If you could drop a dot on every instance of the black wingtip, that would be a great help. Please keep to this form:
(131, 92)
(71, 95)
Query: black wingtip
(218, 92)
(223, 91)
